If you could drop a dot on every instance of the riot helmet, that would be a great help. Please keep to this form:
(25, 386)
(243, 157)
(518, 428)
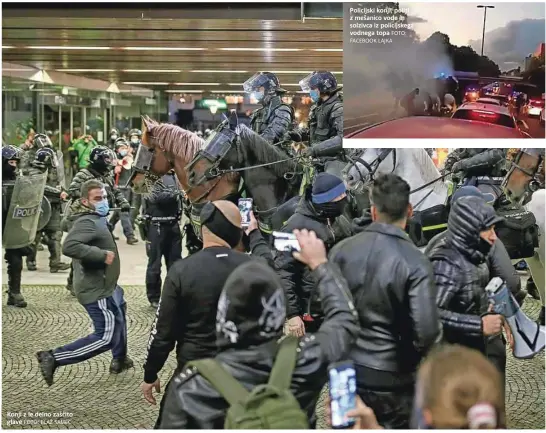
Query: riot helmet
(319, 83)
(102, 159)
(122, 147)
(263, 84)
(40, 141)
(135, 136)
(45, 158)
(114, 134)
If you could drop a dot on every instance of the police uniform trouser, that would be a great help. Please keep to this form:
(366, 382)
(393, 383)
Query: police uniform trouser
(164, 240)
(14, 260)
(53, 236)
(124, 217)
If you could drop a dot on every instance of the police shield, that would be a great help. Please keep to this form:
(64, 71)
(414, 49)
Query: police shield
(24, 211)
(60, 169)
(45, 213)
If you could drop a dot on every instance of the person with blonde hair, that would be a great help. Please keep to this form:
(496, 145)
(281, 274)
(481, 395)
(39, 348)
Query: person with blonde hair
(459, 388)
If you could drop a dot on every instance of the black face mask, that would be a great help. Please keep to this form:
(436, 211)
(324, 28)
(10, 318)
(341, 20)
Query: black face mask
(219, 225)
(484, 247)
(331, 209)
(8, 171)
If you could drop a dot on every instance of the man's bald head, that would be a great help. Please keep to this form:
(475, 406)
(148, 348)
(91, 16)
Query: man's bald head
(221, 224)
(229, 210)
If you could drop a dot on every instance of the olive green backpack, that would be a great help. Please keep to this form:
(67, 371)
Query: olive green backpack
(268, 406)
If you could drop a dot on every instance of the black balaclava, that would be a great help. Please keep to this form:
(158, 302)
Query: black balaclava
(9, 172)
(251, 308)
(213, 219)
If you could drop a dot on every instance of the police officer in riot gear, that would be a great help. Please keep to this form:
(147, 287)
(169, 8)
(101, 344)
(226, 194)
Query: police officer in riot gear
(162, 210)
(28, 157)
(274, 118)
(11, 156)
(46, 161)
(114, 135)
(102, 162)
(134, 139)
(325, 125)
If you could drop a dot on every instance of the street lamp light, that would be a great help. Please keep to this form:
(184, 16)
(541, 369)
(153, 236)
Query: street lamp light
(484, 7)
(213, 110)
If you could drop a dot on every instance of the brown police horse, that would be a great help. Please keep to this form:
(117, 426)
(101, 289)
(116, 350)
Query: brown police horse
(526, 175)
(165, 147)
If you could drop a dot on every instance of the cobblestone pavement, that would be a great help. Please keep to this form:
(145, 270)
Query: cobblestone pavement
(86, 396)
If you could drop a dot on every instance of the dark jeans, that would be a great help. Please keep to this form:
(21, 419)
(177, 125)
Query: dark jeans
(164, 240)
(393, 408)
(110, 332)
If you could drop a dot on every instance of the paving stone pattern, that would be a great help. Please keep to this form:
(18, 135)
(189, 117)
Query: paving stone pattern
(86, 396)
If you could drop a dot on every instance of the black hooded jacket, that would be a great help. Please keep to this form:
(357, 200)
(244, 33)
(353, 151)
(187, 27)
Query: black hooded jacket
(461, 272)
(393, 288)
(296, 278)
(192, 402)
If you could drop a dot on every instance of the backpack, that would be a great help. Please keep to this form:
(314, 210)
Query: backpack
(267, 406)
(518, 232)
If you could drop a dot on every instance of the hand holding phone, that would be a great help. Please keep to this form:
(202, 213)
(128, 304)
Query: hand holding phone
(245, 207)
(342, 379)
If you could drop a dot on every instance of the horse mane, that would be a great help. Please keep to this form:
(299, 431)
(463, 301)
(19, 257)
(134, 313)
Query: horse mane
(265, 152)
(180, 142)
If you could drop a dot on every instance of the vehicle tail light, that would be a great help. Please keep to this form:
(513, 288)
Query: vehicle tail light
(483, 115)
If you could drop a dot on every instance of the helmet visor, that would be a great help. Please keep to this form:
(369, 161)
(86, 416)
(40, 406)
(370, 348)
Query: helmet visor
(305, 83)
(42, 141)
(254, 82)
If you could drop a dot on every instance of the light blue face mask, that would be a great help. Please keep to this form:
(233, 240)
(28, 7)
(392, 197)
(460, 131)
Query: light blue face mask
(123, 153)
(102, 208)
(315, 95)
(258, 95)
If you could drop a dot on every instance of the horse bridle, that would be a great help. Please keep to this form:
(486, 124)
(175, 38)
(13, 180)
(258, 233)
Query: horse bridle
(373, 166)
(144, 160)
(535, 183)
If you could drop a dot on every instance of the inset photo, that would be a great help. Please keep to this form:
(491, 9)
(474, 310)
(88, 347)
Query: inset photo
(444, 70)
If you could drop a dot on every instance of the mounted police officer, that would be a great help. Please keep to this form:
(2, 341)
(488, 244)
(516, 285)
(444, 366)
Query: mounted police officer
(274, 118)
(46, 162)
(102, 162)
(325, 125)
(482, 168)
(21, 198)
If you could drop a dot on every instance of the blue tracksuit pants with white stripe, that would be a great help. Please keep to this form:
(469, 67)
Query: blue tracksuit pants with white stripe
(110, 333)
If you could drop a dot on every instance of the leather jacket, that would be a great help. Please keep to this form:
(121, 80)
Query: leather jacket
(393, 288)
(192, 403)
(296, 278)
(272, 120)
(461, 274)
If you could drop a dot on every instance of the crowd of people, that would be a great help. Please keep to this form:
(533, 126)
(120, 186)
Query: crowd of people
(254, 324)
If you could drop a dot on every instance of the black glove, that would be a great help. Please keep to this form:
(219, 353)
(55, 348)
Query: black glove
(125, 207)
(456, 167)
(292, 136)
(308, 151)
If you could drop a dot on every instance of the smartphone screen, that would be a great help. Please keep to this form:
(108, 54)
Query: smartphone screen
(342, 378)
(245, 207)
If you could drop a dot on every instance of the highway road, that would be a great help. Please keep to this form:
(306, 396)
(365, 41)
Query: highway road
(353, 124)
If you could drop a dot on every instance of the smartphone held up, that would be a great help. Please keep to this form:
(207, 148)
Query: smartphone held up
(245, 207)
(342, 380)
